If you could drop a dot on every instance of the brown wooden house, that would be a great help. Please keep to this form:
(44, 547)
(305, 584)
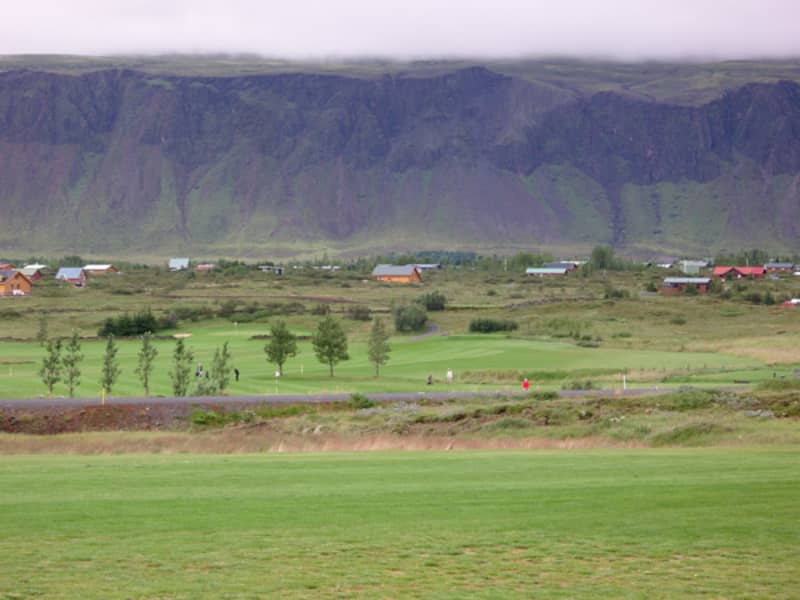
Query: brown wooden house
(397, 273)
(14, 283)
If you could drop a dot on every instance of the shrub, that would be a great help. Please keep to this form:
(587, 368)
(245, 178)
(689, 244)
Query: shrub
(359, 401)
(126, 325)
(753, 297)
(192, 313)
(578, 385)
(358, 312)
(548, 395)
(410, 317)
(433, 301)
(492, 325)
(678, 320)
(613, 293)
(321, 310)
(227, 308)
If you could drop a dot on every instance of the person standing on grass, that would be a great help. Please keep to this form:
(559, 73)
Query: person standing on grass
(449, 375)
(236, 373)
(526, 385)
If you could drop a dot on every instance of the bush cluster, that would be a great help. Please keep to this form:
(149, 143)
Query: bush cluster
(358, 312)
(433, 301)
(492, 325)
(127, 325)
(412, 317)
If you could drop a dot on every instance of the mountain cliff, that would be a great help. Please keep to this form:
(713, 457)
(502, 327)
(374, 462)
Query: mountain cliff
(129, 162)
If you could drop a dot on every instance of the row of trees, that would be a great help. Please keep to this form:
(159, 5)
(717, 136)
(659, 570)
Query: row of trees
(62, 363)
(329, 342)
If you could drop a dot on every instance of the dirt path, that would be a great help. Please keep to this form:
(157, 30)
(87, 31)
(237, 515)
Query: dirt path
(433, 329)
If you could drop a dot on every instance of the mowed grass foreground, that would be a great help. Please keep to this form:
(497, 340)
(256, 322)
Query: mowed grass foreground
(721, 523)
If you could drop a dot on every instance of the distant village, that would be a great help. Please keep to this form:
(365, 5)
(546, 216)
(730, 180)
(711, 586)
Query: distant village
(696, 276)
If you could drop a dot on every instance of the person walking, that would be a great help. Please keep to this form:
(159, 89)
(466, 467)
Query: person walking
(526, 385)
(236, 373)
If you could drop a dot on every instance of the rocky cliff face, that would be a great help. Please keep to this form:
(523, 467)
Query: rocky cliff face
(119, 161)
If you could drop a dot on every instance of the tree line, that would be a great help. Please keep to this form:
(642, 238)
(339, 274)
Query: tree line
(62, 361)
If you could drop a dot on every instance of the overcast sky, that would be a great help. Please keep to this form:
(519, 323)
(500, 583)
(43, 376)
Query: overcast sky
(622, 29)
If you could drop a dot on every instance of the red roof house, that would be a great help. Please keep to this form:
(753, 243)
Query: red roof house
(738, 272)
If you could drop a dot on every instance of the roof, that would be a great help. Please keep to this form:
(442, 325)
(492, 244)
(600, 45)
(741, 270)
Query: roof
(694, 263)
(69, 273)
(779, 265)
(546, 271)
(35, 266)
(428, 266)
(178, 263)
(97, 267)
(6, 274)
(743, 270)
(686, 280)
(561, 264)
(30, 270)
(394, 270)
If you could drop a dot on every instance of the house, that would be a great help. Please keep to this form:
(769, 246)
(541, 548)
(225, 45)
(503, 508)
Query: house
(14, 283)
(178, 264)
(397, 273)
(100, 269)
(793, 302)
(271, 269)
(547, 272)
(7, 266)
(204, 267)
(779, 267)
(563, 264)
(74, 275)
(725, 273)
(32, 272)
(692, 267)
(677, 285)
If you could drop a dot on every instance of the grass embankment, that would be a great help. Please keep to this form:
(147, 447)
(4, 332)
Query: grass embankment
(690, 417)
(656, 524)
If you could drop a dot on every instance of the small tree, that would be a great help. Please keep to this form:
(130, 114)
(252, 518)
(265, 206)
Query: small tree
(51, 365)
(330, 342)
(147, 356)
(41, 335)
(221, 368)
(111, 371)
(282, 345)
(71, 361)
(182, 369)
(379, 347)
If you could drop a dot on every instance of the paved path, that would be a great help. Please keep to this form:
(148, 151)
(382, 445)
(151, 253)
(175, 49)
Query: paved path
(308, 398)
